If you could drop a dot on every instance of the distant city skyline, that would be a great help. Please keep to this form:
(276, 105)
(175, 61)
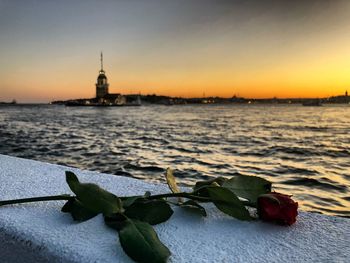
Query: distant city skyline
(50, 50)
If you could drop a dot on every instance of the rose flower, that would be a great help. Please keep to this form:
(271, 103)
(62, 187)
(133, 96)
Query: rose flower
(278, 208)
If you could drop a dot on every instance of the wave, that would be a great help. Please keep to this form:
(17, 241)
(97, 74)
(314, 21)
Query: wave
(314, 183)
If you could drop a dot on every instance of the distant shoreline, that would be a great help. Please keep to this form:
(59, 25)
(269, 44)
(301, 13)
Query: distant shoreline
(167, 100)
(146, 105)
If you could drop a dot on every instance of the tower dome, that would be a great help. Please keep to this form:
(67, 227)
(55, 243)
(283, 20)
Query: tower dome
(102, 76)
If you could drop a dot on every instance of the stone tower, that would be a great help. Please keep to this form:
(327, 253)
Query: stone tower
(101, 84)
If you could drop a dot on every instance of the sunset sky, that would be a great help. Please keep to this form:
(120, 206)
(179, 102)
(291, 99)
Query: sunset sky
(50, 50)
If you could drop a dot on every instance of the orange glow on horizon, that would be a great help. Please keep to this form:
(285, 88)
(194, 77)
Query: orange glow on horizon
(283, 49)
(304, 76)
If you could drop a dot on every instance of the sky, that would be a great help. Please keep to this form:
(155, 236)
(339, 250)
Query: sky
(50, 50)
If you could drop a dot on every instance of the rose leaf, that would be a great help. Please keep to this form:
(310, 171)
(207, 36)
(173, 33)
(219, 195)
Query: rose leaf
(141, 243)
(128, 201)
(218, 181)
(248, 187)
(150, 211)
(77, 210)
(227, 202)
(93, 197)
(194, 206)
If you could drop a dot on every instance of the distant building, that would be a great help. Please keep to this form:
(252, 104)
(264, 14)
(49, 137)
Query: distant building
(102, 94)
(102, 83)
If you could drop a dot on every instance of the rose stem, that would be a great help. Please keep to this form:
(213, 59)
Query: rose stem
(193, 197)
(35, 199)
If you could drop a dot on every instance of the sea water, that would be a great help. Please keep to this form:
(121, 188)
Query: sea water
(304, 151)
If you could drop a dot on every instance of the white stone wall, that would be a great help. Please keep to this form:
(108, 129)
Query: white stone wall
(39, 232)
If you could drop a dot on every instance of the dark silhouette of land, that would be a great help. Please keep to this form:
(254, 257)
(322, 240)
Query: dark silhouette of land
(167, 100)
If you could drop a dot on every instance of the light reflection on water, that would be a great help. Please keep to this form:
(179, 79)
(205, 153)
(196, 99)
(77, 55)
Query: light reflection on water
(304, 151)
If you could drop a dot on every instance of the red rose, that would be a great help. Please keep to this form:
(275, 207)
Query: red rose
(279, 208)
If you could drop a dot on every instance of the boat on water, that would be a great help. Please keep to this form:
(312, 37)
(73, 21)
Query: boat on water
(13, 102)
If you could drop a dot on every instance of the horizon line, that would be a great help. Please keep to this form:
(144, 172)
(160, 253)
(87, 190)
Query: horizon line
(188, 98)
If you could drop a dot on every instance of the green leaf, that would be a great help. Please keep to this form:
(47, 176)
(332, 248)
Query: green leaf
(218, 181)
(77, 210)
(93, 197)
(150, 211)
(201, 187)
(115, 221)
(248, 187)
(194, 206)
(228, 202)
(141, 243)
(128, 201)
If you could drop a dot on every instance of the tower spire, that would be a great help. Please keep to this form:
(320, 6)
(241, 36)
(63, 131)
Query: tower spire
(101, 61)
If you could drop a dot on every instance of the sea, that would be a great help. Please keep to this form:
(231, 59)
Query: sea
(303, 151)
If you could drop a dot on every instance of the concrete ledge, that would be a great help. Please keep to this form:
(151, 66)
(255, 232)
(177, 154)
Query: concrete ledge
(39, 232)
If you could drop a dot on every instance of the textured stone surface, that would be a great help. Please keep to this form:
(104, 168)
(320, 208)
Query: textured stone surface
(39, 232)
